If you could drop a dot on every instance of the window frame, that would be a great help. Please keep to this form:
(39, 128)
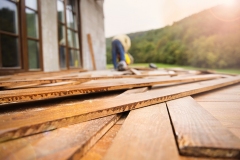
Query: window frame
(66, 28)
(23, 38)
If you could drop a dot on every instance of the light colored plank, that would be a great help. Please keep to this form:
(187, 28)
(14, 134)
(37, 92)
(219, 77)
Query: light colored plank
(134, 71)
(64, 143)
(231, 93)
(15, 125)
(91, 51)
(146, 134)
(227, 113)
(198, 133)
(31, 94)
(219, 98)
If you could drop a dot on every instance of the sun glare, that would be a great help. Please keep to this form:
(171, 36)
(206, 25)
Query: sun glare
(228, 2)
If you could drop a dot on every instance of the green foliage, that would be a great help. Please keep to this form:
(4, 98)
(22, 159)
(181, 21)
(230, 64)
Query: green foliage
(201, 40)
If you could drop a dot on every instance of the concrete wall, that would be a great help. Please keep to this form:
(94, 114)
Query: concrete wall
(49, 35)
(92, 19)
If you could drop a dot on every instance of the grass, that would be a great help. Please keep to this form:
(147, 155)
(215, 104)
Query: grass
(160, 65)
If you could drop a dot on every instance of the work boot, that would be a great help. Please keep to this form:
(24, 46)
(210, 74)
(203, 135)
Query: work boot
(122, 66)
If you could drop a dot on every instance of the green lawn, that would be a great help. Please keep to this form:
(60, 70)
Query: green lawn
(160, 65)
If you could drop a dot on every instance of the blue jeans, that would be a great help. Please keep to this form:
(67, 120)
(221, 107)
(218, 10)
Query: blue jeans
(117, 52)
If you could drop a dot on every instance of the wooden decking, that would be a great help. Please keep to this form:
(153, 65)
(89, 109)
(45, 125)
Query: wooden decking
(136, 114)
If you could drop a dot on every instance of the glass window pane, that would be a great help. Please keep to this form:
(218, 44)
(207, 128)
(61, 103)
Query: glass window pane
(71, 5)
(31, 4)
(32, 23)
(8, 16)
(74, 58)
(10, 51)
(62, 56)
(61, 34)
(33, 55)
(71, 20)
(60, 10)
(73, 39)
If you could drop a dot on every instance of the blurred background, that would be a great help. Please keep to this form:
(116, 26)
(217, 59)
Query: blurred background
(203, 34)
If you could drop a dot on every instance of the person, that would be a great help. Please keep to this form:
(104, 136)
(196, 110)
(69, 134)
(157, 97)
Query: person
(120, 47)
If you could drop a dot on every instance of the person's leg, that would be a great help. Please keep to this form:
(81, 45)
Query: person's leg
(114, 54)
(120, 50)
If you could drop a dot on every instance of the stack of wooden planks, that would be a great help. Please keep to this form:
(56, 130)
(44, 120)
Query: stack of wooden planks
(135, 114)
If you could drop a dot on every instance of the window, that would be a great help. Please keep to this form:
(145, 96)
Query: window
(31, 11)
(20, 47)
(9, 35)
(68, 35)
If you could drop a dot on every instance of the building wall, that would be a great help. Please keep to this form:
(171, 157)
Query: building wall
(92, 19)
(92, 22)
(49, 35)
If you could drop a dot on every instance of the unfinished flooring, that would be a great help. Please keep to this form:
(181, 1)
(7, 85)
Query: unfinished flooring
(139, 114)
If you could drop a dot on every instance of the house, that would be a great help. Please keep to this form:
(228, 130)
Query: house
(50, 35)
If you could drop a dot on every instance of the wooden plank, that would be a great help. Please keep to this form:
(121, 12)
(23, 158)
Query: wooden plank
(91, 51)
(219, 98)
(52, 117)
(145, 134)
(85, 135)
(83, 78)
(71, 142)
(31, 94)
(100, 148)
(36, 75)
(231, 93)
(98, 151)
(134, 71)
(198, 133)
(227, 113)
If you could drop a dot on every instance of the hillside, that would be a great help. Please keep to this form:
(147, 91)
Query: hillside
(207, 39)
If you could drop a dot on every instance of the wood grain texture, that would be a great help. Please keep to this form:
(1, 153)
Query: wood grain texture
(23, 95)
(17, 125)
(146, 134)
(227, 113)
(65, 143)
(228, 94)
(91, 51)
(198, 133)
(100, 148)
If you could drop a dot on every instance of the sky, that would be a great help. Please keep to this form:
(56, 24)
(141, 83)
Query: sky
(128, 16)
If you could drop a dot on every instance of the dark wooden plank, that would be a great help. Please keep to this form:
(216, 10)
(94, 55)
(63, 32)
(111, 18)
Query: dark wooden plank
(71, 142)
(145, 134)
(16, 124)
(198, 133)
(31, 94)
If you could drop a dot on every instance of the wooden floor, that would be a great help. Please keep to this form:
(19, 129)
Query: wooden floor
(146, 114)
